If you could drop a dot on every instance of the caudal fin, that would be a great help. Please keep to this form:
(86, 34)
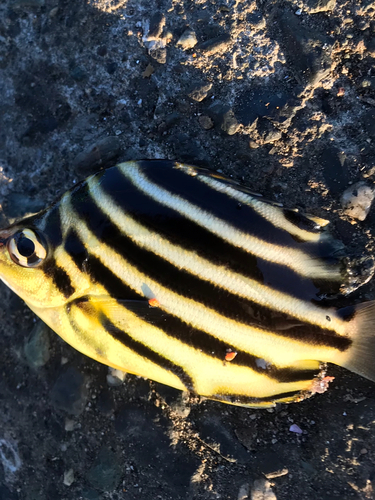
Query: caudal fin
(360, 357)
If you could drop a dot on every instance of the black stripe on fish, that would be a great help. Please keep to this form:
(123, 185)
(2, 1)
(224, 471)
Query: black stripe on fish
(171, 325)
(52, 221)
(147, 353)
(180, 230)
(60, 278)
(221, 205)
(191, 286)
(300, 221)
(96, 270)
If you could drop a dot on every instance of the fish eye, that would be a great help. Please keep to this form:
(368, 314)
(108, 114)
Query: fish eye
(27, 248)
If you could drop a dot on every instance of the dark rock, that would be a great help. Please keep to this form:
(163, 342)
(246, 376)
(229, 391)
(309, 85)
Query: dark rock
(106, 472)
(78, 74)
(200, 91)
(335, 173)
(27, 3)
(97, 155)
(215, 432)
(273, 101)
(303, 47)
(105, 403)
(69, 392)
(111, 67)
(214, 45)
(90, 494)
(205, 122)
(37, 346)
(230, 124)
(159, 54)
(18, 205)
(256, 19)
(102, 50)
(368, 122)
(268, 132)
(157, 23)
(43, 126)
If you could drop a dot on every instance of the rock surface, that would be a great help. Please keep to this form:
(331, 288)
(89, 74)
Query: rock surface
(290, 112)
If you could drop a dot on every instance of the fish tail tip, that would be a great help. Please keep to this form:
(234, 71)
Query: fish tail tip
(360, 358)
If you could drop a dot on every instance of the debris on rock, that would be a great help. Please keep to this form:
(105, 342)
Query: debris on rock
(200, 92)
(262, 490)
(357, 200)
(205, 122)
(187, 40)
(97, 154)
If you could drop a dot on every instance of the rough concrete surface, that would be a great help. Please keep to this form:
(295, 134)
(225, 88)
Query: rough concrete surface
(279, 94)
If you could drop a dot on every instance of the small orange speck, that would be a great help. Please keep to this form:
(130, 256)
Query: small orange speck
(194, 55)
(230, 356)
(153, 303)
(341, 92)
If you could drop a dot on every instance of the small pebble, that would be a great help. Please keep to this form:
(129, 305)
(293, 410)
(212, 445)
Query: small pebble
(200, 92)
(37, 346)
(69, 477)
(205, 122)
(230, 124)
(357, 200)
(295, 428)
(187, 40)
(115, 377)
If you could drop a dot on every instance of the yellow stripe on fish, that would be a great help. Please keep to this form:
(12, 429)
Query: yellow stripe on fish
(171, 272)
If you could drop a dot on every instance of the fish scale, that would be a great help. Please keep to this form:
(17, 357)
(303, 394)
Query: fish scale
(180, 275)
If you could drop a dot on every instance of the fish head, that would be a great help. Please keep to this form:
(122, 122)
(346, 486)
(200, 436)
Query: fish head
(27, 263)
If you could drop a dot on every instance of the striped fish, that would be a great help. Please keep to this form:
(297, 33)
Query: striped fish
(180, 275)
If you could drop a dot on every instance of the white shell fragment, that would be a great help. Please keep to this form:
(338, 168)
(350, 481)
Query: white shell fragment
(357, 199)
(261, 490)
(187, 40)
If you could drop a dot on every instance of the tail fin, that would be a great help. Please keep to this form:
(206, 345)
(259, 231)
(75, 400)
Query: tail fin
(360, 357)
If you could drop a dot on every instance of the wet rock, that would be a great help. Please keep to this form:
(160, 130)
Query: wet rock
(69, 392)
(97, 155)
(229, 123)
(187, 40)
(200, 91)
(305, 49)
(256, 19)
(19, 204)
(205, 122)
(215, 45)
(37, 346)
(262, 490)
(316, 6)
(357, 200)
(106, 472)
(43, 126)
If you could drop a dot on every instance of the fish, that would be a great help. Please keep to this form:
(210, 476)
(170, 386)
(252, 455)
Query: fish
(181, 275)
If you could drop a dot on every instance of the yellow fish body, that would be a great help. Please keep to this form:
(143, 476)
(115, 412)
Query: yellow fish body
(174, 273)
